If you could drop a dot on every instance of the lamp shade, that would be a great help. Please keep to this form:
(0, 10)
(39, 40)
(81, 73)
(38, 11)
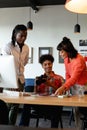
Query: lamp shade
(30, 25)
(76, 6)
(77, 28)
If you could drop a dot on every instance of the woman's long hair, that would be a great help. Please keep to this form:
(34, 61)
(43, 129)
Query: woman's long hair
(67, 46)
(16, 30)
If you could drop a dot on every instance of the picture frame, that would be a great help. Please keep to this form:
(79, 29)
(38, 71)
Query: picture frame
(60, 59)
(45, 50)
(30, 60)
(83, 46)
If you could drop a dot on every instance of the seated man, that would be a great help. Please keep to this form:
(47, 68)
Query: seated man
(45, 84)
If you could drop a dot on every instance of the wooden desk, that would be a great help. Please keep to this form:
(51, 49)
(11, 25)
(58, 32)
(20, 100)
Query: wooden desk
(46, 100)
(7, 127)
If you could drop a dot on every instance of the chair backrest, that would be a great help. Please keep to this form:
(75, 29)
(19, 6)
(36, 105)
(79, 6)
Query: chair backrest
(4, 113)
(29, 84)
(83, 111)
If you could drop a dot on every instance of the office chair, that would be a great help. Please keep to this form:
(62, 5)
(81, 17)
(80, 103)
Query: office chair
(29, 87)
(83, 111)
(4, 113)
(71, 116)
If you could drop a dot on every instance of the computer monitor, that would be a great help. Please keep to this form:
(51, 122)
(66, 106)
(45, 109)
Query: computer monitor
(8, 77)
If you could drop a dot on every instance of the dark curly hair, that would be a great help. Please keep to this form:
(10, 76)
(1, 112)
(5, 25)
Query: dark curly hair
(46, 57)
(16, 30)
(67, 46)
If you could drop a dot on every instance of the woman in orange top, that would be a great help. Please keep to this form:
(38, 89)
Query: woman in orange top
(76, 72)
(75, 66)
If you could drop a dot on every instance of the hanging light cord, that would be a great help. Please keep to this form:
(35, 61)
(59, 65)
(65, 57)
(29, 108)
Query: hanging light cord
(30, 13)
(77, 18)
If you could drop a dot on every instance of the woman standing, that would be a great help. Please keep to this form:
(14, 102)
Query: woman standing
(20, 51)
(75, 67)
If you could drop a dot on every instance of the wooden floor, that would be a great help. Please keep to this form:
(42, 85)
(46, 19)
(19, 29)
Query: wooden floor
(10, 127)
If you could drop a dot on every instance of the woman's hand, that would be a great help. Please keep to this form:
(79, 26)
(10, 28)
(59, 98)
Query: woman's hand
(60, 91)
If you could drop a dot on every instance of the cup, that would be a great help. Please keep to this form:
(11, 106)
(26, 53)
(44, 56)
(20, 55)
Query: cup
(81, 91)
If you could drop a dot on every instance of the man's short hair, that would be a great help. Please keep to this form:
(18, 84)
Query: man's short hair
(46, 57)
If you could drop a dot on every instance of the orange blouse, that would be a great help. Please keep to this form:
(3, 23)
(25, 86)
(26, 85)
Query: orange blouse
(76, 71)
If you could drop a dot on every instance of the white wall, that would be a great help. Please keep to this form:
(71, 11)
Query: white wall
(51, 24)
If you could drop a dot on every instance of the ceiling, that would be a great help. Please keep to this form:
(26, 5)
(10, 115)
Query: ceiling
(31, 3)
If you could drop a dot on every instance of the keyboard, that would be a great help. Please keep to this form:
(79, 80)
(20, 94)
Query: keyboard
(11, 93)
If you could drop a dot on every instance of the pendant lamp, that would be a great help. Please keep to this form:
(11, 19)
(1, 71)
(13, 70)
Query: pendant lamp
(30, 24)
(77, 27)
(76, 6)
